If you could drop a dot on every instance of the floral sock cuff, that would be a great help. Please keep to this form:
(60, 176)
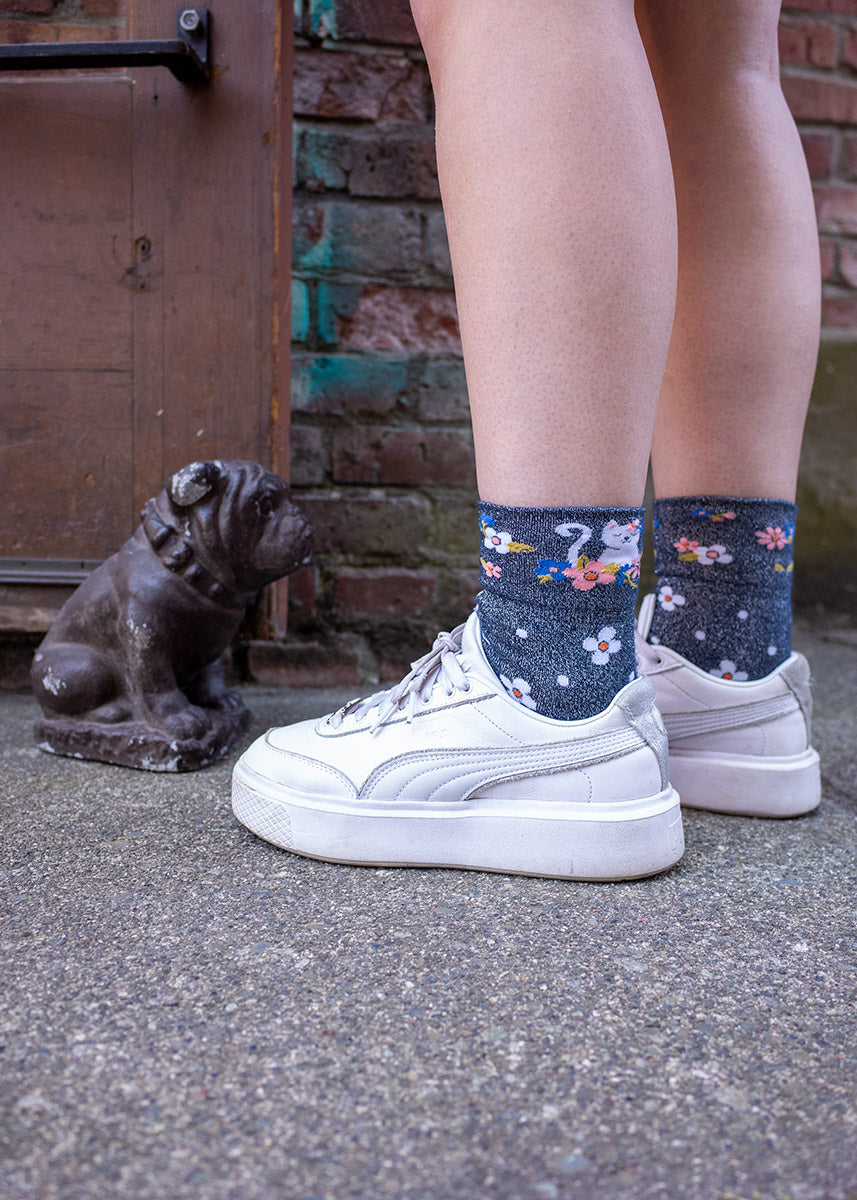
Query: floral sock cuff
(724, 572)
(556, 609)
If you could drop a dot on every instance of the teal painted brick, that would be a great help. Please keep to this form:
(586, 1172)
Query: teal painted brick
(335, 300)
(300, 311)
(322, 17)
(348, 385)
(364, 21)
(342, 236)
(399, 164)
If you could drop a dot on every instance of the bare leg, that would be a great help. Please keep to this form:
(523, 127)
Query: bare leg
(745, 338)
(559, 206)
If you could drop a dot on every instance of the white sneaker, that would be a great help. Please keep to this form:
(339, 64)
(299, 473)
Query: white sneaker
(734, 747)
(447, 770)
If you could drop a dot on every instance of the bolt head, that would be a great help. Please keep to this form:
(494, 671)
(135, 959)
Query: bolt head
(190, 20)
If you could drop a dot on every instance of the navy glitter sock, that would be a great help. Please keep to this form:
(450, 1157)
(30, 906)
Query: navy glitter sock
(556, 609)
(724, 569)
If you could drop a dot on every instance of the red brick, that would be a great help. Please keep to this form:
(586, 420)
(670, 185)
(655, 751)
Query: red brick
(827, 6)
(398, 318)
(848, 263)
(103, 8)
(849, 49)
(442, 390)
(836, 208)
(387, 527)
(303, 598)
(805, 42)
(364, 21)
(359, 595)
(374, 87)
(839, 311)
(827, 250)
(818, 149)
(308, 455)
(848, 157)
(304, 664)
(403, 456)
(437, 248)
(369, 239)
(28, 6)
(817, 99)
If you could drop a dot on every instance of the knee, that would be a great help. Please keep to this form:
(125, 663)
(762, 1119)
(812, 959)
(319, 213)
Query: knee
(680, 36)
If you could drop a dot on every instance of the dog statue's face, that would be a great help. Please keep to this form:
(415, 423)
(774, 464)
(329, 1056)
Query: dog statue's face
(240, 517)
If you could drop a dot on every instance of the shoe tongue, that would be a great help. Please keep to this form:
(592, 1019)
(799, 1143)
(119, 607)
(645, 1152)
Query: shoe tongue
(471, 643)
(647, 612)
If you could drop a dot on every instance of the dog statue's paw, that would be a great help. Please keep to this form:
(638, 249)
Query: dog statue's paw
(188, 724)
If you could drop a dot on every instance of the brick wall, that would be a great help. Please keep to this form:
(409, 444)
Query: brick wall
(381, 445)
(380, 432)
(818, 56)
(62, 20)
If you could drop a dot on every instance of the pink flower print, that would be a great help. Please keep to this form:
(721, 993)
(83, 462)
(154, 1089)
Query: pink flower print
(772, 538)
(491, 569)
(602, 645)
(585, 578)
(685, 545)
(705, 555)
(728, 670)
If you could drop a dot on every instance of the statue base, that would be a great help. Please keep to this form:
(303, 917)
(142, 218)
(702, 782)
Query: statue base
(134, 744)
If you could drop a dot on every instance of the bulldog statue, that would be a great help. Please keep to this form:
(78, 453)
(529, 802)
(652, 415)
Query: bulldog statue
(130, 670)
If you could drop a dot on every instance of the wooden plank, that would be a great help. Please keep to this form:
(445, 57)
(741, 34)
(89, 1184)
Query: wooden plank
(65, 213)
(66, 459)
(204, 165)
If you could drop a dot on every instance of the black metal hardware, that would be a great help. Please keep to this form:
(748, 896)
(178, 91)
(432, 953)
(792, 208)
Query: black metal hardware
(186, 56)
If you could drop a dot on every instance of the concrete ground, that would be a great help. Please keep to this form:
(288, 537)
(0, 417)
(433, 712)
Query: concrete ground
(186, 1011)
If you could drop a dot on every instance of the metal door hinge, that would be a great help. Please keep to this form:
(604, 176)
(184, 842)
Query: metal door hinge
(186, 56)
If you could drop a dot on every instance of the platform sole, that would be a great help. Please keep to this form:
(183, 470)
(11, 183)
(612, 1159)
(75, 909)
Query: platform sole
(748, 786)
(597, 842)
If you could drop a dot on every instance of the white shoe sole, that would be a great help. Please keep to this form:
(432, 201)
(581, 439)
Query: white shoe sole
(593, 842)
(747, 786)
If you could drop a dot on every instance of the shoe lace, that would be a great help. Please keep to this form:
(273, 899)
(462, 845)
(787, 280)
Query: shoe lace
(439, 668)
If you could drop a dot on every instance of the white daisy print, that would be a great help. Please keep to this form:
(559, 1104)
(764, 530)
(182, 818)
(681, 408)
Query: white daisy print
(705, 555)
(521, 633)
(772, 650)
(742, 614)
(562, 680)
(669, 600)
(519, 690)
(602, 645)
(728, 670)
(699, 634)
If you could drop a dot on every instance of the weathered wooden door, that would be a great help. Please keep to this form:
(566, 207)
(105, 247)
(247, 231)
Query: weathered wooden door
(144, 289)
